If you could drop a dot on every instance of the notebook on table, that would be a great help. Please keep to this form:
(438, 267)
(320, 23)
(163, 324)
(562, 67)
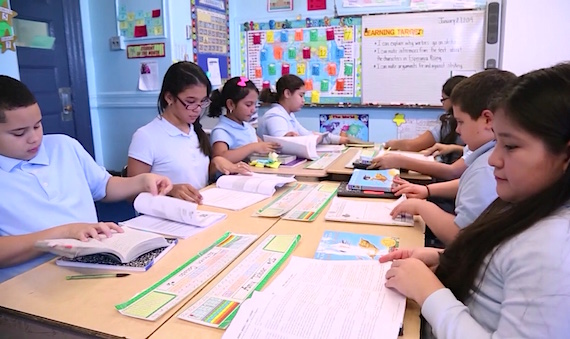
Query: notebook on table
(344, 191)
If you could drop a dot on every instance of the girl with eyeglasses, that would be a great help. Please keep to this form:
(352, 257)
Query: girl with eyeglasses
(233, 137)
(174, 143)
(442, 139)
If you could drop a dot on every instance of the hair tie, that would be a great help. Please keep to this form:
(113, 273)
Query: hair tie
(242, 81)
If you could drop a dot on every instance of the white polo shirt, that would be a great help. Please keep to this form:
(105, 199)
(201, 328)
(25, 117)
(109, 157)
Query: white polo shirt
(171, 152)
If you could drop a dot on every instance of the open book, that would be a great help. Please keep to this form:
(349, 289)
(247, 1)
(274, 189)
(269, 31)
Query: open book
(301, 146)
(120, 247)
(236, 192)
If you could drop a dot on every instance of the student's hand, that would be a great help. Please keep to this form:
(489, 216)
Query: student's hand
(84, 231)
(154, 183)
(386, 161)
(291, 134)
(186, 192)
(439, 149)
(225, 166)
(266, 147)
(393, 144)
(428, 255)
(410, 190)
(413, 279)
(410, 206)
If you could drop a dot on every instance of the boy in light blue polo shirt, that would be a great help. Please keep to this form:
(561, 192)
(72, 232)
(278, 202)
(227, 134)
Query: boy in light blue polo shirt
(476, 188)
(49, 184)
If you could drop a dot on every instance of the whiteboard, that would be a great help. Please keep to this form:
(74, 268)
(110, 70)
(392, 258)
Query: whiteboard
(406, 58)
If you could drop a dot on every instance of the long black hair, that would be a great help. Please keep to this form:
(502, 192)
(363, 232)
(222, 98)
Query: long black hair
(235, 89)
(537, 102)
(448, 122)
(178, 78)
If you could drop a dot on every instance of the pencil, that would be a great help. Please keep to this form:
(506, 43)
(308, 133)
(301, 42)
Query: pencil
(96, 276)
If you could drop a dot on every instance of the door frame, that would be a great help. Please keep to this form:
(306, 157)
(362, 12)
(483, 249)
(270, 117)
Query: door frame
(78, 74)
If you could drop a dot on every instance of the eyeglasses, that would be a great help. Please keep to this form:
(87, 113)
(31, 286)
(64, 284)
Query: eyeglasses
(190, 107)
(443, 99)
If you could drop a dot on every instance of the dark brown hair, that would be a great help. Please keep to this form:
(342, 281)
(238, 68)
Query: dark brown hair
(448, 127)
(13, 94)
(538, 103)
(178, 78)
(232, 91)
(289, 82)
(476, 93)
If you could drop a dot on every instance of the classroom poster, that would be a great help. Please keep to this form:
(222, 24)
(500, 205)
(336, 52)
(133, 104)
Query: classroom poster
(140, 19)
(279, 5)
(7, 38)
(346, 125)
(210, 36)
(325, 53)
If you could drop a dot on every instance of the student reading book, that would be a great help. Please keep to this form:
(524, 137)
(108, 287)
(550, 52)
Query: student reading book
(236, 192)
(122, 247)
(301, 146)
(372, 180)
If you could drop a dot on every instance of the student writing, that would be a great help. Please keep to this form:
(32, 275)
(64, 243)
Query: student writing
(49, 184)
(475, 190)
(280, 119)
(233, 137)
(508, 274)
(174, 143)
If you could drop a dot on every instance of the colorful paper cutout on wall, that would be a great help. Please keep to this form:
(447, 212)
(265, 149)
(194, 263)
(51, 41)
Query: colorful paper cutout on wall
(7, 37)
(140, 19)
(399, 119)
(315, 50)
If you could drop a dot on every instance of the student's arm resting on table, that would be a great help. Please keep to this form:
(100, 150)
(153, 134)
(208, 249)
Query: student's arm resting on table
(18, 249)
(431, 168)
(534, 269)
(443, 190)
(447, 189)
(440, 222)
(417, 144)
(225, 166)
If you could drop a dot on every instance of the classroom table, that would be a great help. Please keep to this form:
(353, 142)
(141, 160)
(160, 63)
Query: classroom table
(41, 303)
(338, 171)
(311, 233)
(299, 171)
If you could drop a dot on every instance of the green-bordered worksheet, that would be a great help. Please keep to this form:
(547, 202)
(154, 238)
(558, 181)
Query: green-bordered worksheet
(158, 299)
(218, 307)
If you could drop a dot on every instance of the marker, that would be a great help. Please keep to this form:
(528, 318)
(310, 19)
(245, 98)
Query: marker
(96, 276)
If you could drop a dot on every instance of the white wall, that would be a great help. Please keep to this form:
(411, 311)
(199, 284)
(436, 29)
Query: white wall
(535, 34)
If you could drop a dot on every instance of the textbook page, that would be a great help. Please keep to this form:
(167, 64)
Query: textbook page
(348, 299)
(236, 192)
(175, 209)
(302, 146)
(162, 226)
(368, 212)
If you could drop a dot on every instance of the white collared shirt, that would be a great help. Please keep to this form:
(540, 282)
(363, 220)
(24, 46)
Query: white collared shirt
(171, 152)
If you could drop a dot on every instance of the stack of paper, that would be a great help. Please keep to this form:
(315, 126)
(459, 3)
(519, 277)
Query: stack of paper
(236, 192)
(323, 299)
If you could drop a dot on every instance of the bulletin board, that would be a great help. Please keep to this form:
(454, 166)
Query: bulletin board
(325, 53)
(139, 20)
(210, 34)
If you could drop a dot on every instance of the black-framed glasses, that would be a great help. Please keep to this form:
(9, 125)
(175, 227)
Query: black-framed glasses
(191, 107)
(443, 99)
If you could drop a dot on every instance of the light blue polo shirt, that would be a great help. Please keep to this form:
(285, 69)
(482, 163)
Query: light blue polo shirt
(235, 135)
(477, 186)
(276, 122)
(56, 187)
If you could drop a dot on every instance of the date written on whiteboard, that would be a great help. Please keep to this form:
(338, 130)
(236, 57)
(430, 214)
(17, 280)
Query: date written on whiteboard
(458, 20)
